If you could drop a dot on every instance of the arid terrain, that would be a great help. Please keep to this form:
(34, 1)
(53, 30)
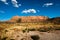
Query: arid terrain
(30, 28)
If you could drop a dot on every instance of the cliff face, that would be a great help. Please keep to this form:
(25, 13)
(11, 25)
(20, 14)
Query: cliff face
(28, 19)
(33, 19)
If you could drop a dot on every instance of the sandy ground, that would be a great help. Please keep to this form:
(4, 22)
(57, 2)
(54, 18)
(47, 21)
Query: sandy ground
(46, 36)
(19, 35)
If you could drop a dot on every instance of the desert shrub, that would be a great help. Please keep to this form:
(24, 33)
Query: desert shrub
(45, 29)
(18, 36)
(42, 30)
(6, 30)
(24, 31)
(31, 29)
(49, 28)
(35, 37)
(12, 39)
(4, 38)
(23, 39)
(57, 28)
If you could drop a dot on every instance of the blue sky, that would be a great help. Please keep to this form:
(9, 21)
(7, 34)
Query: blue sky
(10, 8)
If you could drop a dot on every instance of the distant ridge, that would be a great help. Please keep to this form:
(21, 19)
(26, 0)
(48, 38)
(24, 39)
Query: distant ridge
(20, 19)
(28, 19)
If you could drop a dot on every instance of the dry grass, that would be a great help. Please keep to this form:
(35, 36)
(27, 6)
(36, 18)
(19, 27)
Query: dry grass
(26, 27)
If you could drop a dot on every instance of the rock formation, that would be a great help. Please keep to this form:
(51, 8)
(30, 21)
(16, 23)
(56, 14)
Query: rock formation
(28, 19)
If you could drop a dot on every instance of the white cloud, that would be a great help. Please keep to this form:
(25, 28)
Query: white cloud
(29, 11)
(5, 1)
(47, 4)
(15, 3)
